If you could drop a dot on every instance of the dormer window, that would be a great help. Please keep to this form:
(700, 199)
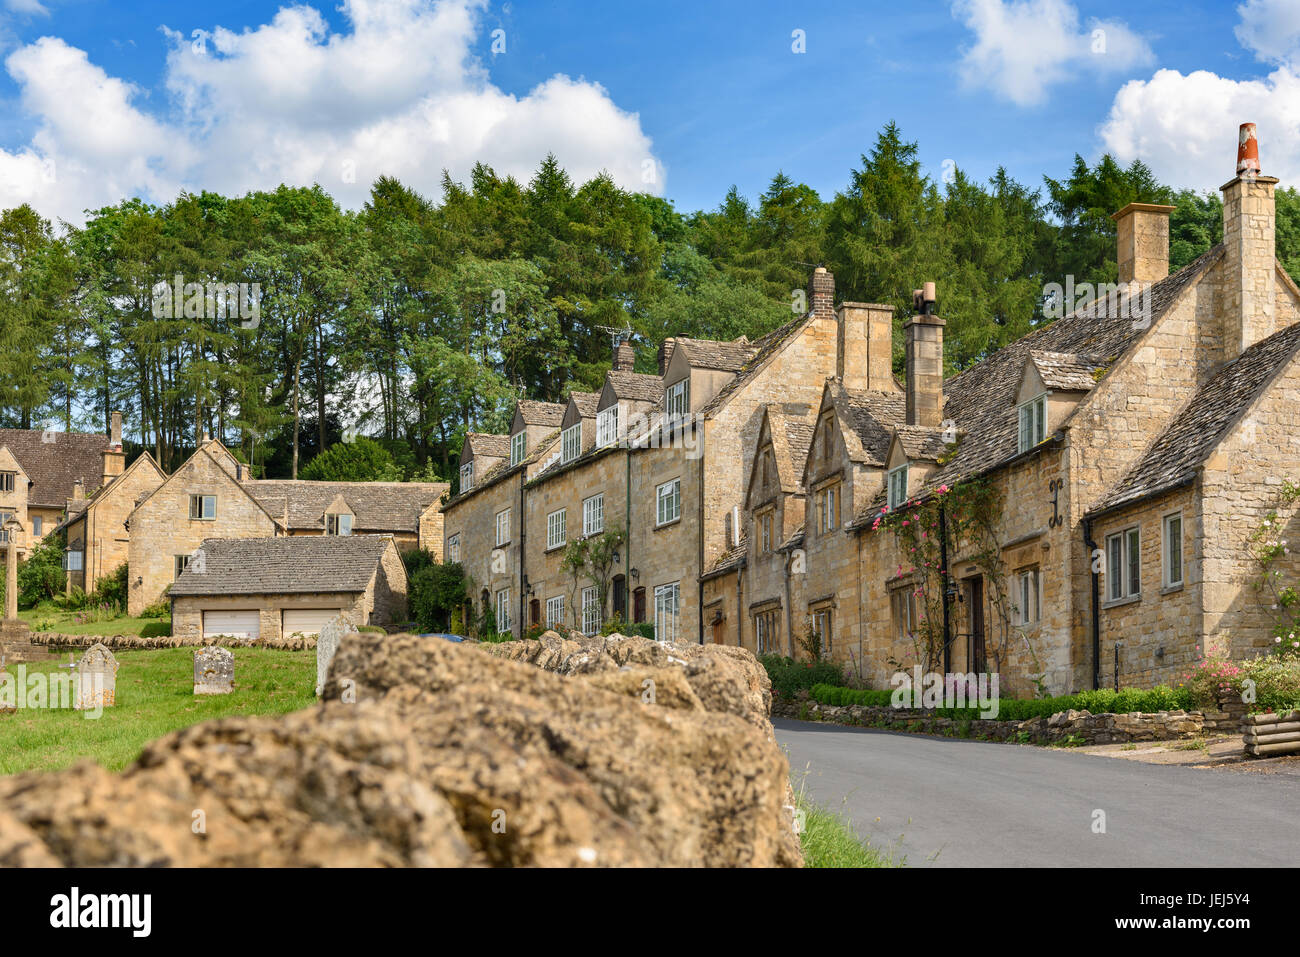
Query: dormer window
(7, 481)
(571, 443)
(607, 426)
(1033, 423)
(517, 442)
(677, 400)
(897, 486)
(467, 476)
(338, 524)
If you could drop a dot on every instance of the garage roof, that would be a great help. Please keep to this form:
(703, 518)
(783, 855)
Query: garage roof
(284, 565)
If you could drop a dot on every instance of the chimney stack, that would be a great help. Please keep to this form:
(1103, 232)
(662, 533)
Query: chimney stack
(666, 353)
(821, 294)
(864, 353)
(924, 333)
(1249, 260)
(1142, 231)
(114, 457)
(78, 491)
(624, 356)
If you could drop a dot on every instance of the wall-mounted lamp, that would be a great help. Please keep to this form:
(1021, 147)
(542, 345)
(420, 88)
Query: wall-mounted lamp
(635, 573)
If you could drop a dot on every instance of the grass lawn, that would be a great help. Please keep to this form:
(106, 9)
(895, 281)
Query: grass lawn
(829, 841)
(47, 617)
(155, 695)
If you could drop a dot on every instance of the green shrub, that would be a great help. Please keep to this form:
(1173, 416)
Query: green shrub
(789, 676)
(111, 589)
(361, 460)
(1277, 683)
(40, 575)
(434, 592)
(1161, 698)
(161, 609)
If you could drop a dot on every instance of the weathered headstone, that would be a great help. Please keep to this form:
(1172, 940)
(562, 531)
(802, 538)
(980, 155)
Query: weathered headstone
(327, 643)
(96, 679)
(214, 671)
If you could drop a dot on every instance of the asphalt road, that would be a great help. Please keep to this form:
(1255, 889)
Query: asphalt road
(957, 803)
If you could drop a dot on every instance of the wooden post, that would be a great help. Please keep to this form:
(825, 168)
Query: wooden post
(13, 528)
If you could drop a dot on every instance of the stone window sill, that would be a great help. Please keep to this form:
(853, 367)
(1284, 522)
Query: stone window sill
(554, 548)
(675, 521)
(1170, 589)
(1119, 602)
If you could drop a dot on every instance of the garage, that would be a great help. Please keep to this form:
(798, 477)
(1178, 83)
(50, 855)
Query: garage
(244, 623)
(307, 621)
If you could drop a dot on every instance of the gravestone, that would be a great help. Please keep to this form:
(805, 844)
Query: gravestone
(96, 679)
(327, 643)
(214, 671)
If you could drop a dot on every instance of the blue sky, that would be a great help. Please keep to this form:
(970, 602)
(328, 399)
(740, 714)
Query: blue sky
(102, 99)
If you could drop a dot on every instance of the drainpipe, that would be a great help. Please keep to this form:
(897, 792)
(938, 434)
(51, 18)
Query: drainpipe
(943, 571)
(699, 560)
(523, 550)
(789, 613)
(1096, 618)
(629, 601)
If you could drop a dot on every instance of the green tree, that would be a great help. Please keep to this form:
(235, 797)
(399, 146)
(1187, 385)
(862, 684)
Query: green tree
(361, 460)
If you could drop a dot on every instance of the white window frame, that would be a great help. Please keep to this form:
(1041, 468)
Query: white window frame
(897, 486)
(571, 443)
(827, 508)
(38, 526)
(677, 399)
(1029, 596)
(557, 525)
(607, 426)
(503, 527)
(73, 560)
(555, 611)
(593, 515)
(668, 499)
(1032, 423)
(179, 564)
(1120, 584)
(518, 445)
(503, 610)
(590, 610)
(1169, 540)
(766, 523)
(453, 548)
(204, 514)
(338, 524)
(668, 611)
(467, 476)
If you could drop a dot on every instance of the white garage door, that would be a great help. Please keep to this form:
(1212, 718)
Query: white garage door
(246, 624)
(307, 621)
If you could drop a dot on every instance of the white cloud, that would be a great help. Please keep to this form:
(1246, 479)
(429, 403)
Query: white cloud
(1271, 30)
(290, 101)
(29, 7)
(1023, 47)
(1185, 126)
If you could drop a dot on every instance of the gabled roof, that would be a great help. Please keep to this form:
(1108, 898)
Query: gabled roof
(1196, 430)
(488, 445)
(375, 506)
(636, 386)
(791, 437)
(76, 510)
(1067, 371)
(763, 349)
(533, 412)
(715, 354)
(798, 439)
(586, 403)
(54, 461)
(728, 561)
(331, 564)
(871, 417)
(503, 469)
(921, 443)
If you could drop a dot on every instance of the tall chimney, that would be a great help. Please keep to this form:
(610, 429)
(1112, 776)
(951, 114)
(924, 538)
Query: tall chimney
(821, 294)
(864, 351)
(666, 353)
(924, 333)
(1249, 260)
(1143, 233)
(114, 457)
(624, 356)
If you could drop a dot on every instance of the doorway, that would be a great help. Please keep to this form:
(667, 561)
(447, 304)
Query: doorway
(976, 660)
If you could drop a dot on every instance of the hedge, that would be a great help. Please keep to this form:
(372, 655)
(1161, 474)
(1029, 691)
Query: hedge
(789, 676)
(1160, 698)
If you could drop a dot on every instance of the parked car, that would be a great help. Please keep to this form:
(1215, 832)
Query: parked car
(441, 634)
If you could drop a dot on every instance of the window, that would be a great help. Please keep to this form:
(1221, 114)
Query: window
(766, 631)
(1173, 549)
(828, 511)
(897, 486)
(668, 502)
(607, 426)
(1033, 423)
(677, 400)
(821, 626)
(72, 561)
(7, 481)
(765, 531)
(181, 562)
(503, 526)
(571, 446)
(593, 515)
(203, 507)
(1028, 594)
(667, 611)
(503, 610)
(453, 548)
(338, 524)
(556, 528)
(1123, 565)
(903, 603)
(555, 611)
(467, 476)
(590, 610)
(517, 442)
(38, 526)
